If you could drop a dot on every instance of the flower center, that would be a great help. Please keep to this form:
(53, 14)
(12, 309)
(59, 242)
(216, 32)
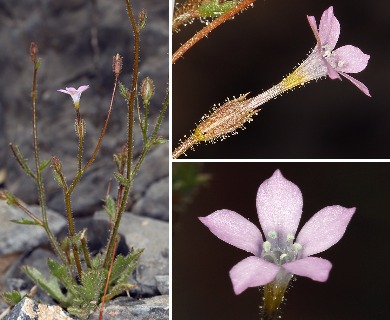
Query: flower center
(278, 250)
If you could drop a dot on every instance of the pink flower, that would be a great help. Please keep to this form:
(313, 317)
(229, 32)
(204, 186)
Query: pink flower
(344, 60)
(75, 94)
(279, 207)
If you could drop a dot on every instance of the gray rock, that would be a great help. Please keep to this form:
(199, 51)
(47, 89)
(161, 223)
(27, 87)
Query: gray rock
(20, 238)
(28, 309)
(155, 202)
(163, 284)
(156, 308)
(153, 235)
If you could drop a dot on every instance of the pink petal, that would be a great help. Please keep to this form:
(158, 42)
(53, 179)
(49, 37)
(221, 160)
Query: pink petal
(64, 91)
(324, 229)
(332, 73)
(279, 205)
(71, 89)
(252, 272)
(234, 229)
(353, 59)
(329, 29)
(357, 83)
(314, 268)
(82, 88)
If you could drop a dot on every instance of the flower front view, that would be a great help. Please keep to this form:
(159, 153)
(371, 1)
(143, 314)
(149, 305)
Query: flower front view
(281, 254)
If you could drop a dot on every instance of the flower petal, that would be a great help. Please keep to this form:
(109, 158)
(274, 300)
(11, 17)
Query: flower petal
(252, 272)
(234, 229)
(279, 205)
(332, 73)
(82, 88)
(351, 59)
(357, 83)
(314, 268)
(324, 229)
(329, 29)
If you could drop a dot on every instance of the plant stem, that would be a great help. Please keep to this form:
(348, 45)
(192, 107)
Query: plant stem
(210, 27)
(130, 121)
(39, 181)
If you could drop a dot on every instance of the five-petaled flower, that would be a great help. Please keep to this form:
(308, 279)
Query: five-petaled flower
(279, 207)
(75, 94)
(344, 60)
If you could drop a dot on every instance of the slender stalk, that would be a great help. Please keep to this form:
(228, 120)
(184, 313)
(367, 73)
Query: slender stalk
(184, 146)
(72, 233)
(98, 145)
(107, 282)
(80, 134)
(28, 212)
(130, 107)
(210, 27)
(39, 181)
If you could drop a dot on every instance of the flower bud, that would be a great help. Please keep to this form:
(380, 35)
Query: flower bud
(225, 119)
(142, 19)
(117, 63)
(147, 90)
(33, 51)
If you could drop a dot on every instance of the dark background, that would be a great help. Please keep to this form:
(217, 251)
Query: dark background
(358, 285)
(328, 119)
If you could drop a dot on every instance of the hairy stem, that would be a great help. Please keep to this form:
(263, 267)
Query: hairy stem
(210, 27)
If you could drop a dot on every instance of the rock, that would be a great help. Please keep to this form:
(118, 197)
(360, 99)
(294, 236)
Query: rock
(163, 284)
(153, 235)
(155, 202)
(156, 308)
(20, 238)
(28, 309)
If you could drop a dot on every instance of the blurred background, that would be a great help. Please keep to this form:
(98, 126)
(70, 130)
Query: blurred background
(358, 285)
(327, 119)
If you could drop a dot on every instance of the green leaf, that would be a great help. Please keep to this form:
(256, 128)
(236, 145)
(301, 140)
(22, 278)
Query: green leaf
(59, 271)
(50, 286)
(93, 282)
(12, 298)
(118, 289)
(97, 261)
(110, 207)
(121, 179)
(124, 266)
(44, 164)
(57, 178)
(214, 9)
(26, 221)
(160, 140)
(124, 92)
(23, 162)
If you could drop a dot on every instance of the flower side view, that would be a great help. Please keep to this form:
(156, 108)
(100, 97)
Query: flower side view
(321, 62)
(274, 261)
(75, 94)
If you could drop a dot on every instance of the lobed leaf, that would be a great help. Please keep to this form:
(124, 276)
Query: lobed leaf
(50, 286)
(124, 266)
(12, 298)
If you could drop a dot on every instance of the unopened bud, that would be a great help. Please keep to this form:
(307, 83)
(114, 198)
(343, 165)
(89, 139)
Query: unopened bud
(79, 127)
(33, 51)
(225, 119)
(117, 63)
(141, 19)
(56, 164)
(147, 89)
